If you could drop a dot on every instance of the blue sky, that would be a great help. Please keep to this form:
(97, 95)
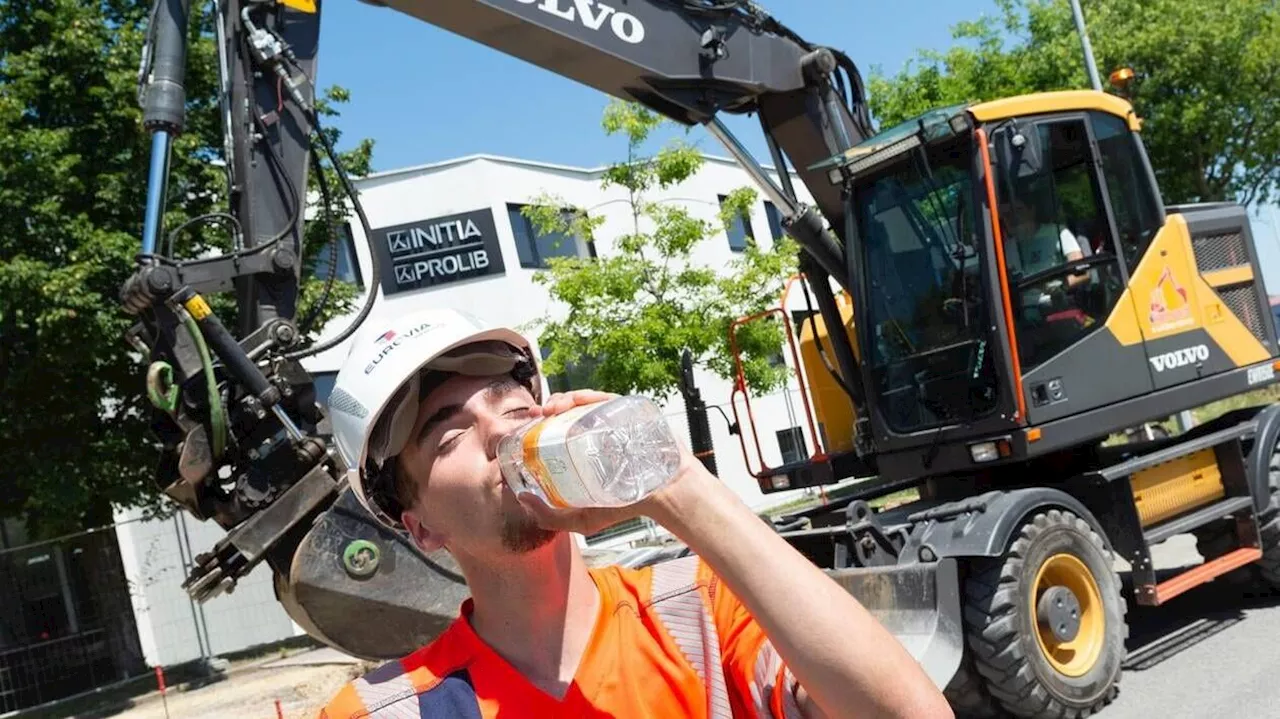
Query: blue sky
(425, 95)
(418, 90)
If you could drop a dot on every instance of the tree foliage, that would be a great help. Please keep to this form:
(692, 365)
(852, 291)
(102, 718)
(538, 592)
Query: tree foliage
(1207, 87)
(630, 313)
(73, 178)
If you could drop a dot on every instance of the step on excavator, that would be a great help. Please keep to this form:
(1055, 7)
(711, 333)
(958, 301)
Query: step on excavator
(1010, 291)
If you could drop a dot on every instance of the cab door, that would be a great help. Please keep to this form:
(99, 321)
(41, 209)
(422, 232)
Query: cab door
(1077, 333)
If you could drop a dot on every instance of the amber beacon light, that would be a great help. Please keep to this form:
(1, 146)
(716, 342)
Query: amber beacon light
(1122, 80)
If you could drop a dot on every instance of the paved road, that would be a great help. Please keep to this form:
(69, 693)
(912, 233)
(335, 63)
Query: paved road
(1213, 652)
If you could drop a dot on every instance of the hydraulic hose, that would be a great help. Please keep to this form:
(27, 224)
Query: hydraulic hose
(373, 254)
(216, 416)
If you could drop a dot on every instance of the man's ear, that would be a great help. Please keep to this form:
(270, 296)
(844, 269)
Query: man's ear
(426, 540)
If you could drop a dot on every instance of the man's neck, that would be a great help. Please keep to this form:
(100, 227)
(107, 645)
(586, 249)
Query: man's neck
(537, 611)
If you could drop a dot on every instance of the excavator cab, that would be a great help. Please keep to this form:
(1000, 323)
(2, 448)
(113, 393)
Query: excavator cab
(1018, 289)
(921, 263)
(1017, 295)
(921, 317)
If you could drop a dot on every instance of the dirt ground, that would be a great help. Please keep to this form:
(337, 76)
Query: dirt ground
(250, 693)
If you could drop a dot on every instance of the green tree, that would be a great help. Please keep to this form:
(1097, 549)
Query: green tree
(1207, 88)
(73, 166)
(630, 314)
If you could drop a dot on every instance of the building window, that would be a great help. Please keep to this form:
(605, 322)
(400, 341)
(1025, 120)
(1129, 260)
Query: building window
(626, 526)
(348, 270)
(791, 444)
(578, 375)
(740, 231)
(535, 249)
(775, 220)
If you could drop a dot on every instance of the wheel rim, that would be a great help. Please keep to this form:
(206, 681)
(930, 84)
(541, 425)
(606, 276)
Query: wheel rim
(1077, 655)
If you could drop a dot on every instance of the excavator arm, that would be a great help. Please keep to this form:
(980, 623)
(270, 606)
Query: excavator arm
(244, 442)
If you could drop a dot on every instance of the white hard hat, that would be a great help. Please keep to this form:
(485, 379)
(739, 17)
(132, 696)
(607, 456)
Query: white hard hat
(376, 394)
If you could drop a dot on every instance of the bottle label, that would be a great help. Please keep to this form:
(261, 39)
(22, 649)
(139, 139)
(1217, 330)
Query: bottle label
(546, 454)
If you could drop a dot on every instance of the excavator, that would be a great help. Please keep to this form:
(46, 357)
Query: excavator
(994, 291)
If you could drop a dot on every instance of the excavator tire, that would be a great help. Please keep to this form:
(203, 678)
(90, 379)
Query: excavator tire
(1269, 534)
(1269, 526)
(967, 694)
(1057, 569)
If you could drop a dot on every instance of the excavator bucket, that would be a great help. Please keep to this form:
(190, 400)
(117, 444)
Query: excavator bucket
(365, 591)
(919, 604)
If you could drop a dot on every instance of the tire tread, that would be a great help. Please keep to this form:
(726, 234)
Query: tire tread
(990, 618)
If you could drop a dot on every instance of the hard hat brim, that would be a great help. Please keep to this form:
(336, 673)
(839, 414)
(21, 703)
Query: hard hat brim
(477, 358)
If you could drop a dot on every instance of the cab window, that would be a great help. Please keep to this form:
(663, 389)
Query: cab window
(1063, 275)
(1133, 203)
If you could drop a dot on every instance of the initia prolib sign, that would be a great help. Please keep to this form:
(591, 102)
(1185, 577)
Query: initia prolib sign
(446, 266)
(440, 250)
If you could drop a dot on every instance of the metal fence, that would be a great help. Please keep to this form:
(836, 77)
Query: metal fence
(66, 619)
(76, 615)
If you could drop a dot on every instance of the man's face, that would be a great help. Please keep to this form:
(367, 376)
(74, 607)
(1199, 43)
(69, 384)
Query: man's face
(463, 503)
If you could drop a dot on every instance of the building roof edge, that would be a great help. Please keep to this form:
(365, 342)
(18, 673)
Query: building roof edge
(519, 162)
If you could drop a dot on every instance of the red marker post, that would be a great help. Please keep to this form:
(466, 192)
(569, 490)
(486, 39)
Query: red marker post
(279, 711)
(160, 683)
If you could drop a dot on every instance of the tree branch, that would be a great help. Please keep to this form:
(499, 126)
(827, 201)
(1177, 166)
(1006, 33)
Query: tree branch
(7, 341)
(1202, 179)
(1251, 192)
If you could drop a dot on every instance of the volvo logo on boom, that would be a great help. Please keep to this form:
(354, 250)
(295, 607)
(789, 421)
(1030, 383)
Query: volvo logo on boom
(1180, 358)
(593, 15)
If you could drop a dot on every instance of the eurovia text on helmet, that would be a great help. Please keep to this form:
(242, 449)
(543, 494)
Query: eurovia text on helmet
(392, 340)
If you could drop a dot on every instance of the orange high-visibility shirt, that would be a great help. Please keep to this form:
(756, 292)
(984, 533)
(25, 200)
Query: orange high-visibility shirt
(670, 641)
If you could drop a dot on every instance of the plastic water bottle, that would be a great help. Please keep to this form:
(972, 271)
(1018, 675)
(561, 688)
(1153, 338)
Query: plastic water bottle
(609, 454)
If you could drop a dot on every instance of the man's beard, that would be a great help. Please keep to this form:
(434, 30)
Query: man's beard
(521, 533)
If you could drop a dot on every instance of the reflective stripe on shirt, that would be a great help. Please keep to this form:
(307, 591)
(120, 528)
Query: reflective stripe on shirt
(679, 604)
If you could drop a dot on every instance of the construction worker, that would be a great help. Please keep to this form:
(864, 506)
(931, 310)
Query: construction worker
(744, 627)
(1041, 242)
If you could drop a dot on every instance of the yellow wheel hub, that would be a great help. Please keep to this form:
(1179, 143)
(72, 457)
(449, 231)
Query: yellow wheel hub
(1067, 606)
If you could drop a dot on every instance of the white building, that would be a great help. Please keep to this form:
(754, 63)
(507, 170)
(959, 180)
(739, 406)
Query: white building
(488, 272)
(491, 272)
